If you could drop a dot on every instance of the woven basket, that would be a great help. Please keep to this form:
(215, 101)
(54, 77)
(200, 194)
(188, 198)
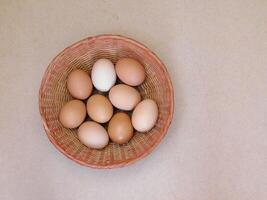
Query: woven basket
(53, 95)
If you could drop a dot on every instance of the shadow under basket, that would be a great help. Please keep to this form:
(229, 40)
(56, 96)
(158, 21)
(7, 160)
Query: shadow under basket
(53, 95)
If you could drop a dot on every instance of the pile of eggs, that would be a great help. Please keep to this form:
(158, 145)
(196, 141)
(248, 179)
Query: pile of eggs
(107, 123)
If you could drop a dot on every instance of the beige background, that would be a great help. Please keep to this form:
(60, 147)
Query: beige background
(216, 53)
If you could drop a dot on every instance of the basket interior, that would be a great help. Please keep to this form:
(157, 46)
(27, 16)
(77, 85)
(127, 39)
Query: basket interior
(82, 55)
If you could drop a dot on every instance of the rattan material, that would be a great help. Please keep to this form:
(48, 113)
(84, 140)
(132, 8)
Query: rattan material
(53, 94)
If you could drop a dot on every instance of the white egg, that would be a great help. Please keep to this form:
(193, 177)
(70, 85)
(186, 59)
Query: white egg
(103, 75)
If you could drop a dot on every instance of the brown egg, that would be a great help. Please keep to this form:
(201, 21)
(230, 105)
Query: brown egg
(130, 71)
(120, 129)
(79, 84)
(124, 97)
(93, 135)
(72, 114)
(145, 115)
(99, 108)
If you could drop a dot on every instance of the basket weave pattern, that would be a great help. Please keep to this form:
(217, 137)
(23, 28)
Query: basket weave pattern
(53, 95)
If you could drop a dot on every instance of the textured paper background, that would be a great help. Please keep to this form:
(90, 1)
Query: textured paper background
(216, 53)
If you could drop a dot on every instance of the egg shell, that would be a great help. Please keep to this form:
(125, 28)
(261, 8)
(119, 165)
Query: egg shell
(93, 135)
(120, 128)
(130, 71)
(72, 114)
(103, 75)
(99, 108)
(145, 115)
(79, 84)
(124, 97)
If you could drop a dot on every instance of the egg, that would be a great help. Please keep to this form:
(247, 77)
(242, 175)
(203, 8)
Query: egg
(120, 128)
(124, 97)
(72, 114)
(130, 71)
(79, 84)
(99, 108)
(145, 115)
(103, 75)
(93, 135)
